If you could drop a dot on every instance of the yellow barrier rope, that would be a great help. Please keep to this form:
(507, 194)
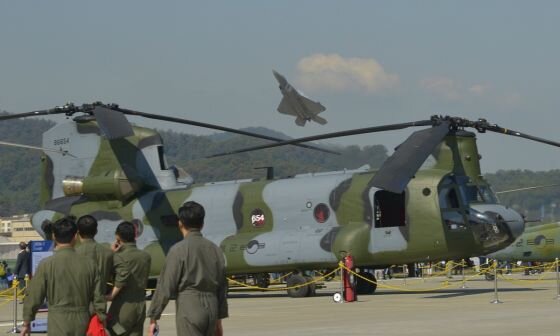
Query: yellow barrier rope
(530, 281)
(279, 280)
(315, 280)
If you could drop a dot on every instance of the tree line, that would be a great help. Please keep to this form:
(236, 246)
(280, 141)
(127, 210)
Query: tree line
(20, 169)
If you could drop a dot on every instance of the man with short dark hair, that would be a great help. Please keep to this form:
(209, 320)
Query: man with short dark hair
(70, 284)
(194, 274)
(22, 265)
(131, 270)
(101, 255)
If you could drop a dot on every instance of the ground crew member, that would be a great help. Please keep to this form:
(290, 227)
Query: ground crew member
(102, 256)
(131, 269)
(69, 283)
(194, 274)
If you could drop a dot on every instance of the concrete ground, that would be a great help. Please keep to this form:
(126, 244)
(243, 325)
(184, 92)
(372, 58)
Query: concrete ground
(529, 307)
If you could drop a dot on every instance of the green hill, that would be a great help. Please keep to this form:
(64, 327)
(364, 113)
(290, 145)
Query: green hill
(19, 168)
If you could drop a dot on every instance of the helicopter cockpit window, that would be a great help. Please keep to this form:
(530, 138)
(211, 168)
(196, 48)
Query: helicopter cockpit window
(487, 194)
(389, 209)
(478, 194)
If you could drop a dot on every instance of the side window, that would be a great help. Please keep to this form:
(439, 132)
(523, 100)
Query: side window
(389, 209)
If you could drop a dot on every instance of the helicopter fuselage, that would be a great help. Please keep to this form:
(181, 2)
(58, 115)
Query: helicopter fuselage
(307, 221)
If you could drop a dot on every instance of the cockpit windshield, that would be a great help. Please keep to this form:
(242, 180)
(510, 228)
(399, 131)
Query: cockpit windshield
(473, 193)
(470, 193)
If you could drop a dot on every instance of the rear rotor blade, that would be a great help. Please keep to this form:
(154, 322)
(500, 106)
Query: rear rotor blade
(59, 151)
(399, 168)
(215, 127)
(332, 135)
(32, 114)
(113, 124)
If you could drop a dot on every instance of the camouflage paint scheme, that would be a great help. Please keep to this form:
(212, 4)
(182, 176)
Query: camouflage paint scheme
(301, 222)
(537, 243)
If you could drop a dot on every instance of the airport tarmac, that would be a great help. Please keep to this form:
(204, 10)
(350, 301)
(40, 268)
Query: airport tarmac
(529, 307)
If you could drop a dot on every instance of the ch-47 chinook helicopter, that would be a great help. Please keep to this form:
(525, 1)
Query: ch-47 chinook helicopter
(98, 164)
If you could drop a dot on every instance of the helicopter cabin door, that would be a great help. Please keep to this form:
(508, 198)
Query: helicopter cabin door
(388, 222)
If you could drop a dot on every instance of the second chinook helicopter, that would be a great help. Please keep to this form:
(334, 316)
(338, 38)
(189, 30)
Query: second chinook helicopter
(99, 164)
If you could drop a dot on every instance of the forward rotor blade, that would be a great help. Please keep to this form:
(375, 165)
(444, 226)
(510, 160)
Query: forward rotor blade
(498, 129)
(331, 135)
(526, 188)
(113, 124)
(399, 168)
(212, 126)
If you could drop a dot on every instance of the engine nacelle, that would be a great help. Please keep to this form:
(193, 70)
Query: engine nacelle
(113, 185)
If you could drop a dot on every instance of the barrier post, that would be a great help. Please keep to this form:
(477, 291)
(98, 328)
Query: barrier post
(15, 329)
(405, 271)
(463, 273)
(496, 300)
(557, 280)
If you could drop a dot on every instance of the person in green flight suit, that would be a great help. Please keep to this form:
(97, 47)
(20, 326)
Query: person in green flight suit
(70, 284)
(101, 255)
(131, 270)
(194, 274)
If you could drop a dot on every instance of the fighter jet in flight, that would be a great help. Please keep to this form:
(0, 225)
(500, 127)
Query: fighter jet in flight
(297, 104)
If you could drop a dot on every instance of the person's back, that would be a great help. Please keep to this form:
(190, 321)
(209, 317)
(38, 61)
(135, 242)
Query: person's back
(70, 284)
(101, 255)
(88, 247)
(202, 263)
(69, 280)
(194, 274)
(138, 264)
(22, 263)
(131, 271)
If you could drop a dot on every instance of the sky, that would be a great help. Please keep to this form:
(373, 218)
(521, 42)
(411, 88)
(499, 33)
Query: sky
(369, 62)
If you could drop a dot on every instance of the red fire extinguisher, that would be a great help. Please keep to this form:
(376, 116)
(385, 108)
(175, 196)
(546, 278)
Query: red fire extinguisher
(348, 279)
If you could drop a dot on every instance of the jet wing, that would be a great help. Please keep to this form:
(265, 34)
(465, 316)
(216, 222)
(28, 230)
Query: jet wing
(286, 108)
(312, 107)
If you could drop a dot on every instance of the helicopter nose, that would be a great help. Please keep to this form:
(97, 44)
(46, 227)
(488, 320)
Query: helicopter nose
(513, 220)
(503, 216)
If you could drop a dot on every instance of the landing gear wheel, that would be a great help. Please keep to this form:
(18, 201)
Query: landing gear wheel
(297, 292)
(262, 280)
(364, 286)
